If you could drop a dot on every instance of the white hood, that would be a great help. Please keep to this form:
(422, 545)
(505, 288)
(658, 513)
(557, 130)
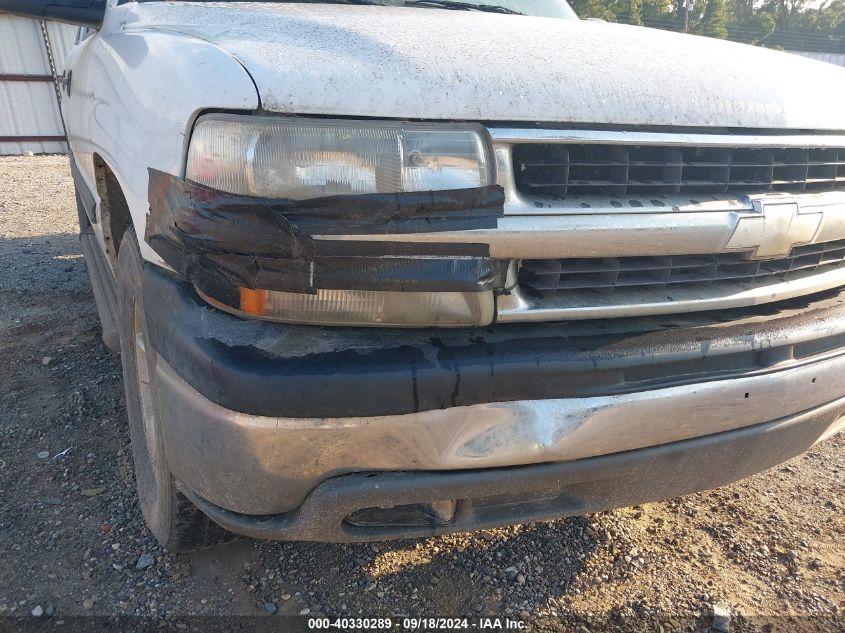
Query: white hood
(331, 59)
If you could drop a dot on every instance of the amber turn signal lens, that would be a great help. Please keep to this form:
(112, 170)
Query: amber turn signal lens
(253, 301)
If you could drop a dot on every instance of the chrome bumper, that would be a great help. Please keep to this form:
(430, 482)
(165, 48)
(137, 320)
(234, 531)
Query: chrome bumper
(495, 497)
(265, 465)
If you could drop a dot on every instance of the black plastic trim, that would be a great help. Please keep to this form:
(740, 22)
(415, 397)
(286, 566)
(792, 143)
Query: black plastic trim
(308, 371)
(82, 12)
(85, 195)
(105, 290)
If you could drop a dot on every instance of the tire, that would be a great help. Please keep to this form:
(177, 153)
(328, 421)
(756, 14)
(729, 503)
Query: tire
(174, 520)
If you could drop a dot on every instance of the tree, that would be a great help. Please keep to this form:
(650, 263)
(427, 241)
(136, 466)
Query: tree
(747, 23)
(660, 11)
(715, 20)
(594, 9)
(635, 12)
(809, 25)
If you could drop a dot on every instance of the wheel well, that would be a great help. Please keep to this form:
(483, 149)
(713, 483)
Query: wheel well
(114, 210)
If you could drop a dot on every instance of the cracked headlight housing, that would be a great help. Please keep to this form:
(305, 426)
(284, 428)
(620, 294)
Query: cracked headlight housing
(299, 159)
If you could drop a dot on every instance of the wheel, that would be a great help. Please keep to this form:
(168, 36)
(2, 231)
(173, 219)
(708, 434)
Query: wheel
(176, 522)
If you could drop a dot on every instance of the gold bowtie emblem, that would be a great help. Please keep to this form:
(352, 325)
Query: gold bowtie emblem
(776, 228)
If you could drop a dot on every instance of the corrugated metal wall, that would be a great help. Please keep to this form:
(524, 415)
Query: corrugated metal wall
(831, 58)
(28, 103)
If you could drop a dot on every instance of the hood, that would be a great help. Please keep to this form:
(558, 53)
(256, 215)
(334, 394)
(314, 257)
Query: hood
(396, 62)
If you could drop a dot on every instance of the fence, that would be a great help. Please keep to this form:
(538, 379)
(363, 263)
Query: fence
(830, 58)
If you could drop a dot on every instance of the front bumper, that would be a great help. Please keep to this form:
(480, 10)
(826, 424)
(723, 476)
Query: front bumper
(264, 419)
(503, 496)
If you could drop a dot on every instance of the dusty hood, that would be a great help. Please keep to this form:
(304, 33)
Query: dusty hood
(432, 64)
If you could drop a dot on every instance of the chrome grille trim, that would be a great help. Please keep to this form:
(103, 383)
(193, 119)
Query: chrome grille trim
(665, 200)
(518, 306)
(557, 277)
(510, 136)
(564, 170)
(652, 224)
(543, 227)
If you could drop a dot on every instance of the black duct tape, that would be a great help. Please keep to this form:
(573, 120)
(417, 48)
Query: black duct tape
(217, 239)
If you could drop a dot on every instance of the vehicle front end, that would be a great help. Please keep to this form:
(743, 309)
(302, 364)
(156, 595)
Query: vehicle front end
(642, 338)
(461, 269)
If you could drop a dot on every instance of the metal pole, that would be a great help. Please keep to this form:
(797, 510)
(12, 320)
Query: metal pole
(25, 78)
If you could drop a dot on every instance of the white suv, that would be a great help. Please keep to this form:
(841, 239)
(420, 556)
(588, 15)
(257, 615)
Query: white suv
(390, 268)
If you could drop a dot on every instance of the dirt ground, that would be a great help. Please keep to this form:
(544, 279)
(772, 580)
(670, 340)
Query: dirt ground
(769, 551)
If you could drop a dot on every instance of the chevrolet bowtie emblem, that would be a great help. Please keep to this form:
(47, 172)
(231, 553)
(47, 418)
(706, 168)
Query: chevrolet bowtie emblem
(776, 227)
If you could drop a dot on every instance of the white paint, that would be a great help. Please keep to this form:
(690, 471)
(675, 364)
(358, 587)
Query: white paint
(139, 83)
(435, 64)
(133, 100)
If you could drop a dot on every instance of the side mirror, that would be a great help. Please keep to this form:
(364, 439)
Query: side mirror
(82, 12)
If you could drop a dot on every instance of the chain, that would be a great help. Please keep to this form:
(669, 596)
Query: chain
(48, 47)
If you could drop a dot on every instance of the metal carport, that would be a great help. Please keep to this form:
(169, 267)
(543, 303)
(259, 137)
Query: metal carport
(32, 55)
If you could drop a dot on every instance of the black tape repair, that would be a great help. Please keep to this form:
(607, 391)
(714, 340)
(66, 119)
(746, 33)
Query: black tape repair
(218, 238)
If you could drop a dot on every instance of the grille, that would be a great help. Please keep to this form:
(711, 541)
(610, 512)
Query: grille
(569, 170)
(547, 277)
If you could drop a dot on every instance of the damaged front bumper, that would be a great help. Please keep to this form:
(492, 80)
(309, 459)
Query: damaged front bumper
(301, 421)
(495, 497)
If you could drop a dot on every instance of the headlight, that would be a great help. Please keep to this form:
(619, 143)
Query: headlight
(309, 158)
(298, 159)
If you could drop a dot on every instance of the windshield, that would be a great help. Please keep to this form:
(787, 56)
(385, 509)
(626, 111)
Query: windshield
(539, 8)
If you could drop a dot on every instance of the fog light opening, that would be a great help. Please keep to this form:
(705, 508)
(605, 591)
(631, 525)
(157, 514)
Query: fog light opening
(428, 514)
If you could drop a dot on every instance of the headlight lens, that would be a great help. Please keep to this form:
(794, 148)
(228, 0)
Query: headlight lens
(299, 159)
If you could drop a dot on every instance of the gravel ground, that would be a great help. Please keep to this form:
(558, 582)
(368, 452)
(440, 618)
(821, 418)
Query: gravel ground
(770, 550)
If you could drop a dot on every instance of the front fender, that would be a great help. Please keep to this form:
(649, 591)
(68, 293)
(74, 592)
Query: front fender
(144, 89)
